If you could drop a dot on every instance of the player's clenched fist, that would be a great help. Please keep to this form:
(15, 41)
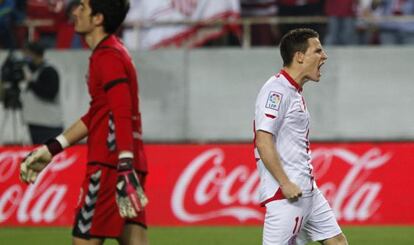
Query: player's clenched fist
(291, 191)
(34, 163)
(130, 196)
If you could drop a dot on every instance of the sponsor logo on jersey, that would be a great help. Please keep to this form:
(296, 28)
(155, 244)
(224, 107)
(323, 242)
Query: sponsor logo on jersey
(273, 100)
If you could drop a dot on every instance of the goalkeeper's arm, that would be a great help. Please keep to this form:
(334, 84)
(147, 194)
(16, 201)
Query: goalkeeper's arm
(76, 132)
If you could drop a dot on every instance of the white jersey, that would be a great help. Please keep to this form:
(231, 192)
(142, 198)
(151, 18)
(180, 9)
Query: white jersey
(281, 110)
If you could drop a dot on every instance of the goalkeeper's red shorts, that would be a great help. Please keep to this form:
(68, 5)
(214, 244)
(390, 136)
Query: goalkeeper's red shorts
(97, 214)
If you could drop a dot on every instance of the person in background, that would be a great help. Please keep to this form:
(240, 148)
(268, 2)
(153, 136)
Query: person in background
(66, 35)
(300, 8)
(261, 34)
(52, 11)
(393, 32)
(7, 37)
(41, 110)
(341, 22)
(366, 29)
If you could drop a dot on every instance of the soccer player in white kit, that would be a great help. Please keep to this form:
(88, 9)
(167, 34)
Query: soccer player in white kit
(296, 211)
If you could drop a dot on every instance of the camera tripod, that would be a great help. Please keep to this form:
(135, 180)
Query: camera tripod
(15, 118)
(12, 116)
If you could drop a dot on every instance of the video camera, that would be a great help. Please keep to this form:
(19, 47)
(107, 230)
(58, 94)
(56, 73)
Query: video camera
(12, 74)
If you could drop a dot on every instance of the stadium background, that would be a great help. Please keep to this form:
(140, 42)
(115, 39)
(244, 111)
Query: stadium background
(200, 102)
(198, 107)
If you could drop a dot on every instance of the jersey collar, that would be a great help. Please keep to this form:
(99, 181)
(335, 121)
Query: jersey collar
(291, 80)
(103, 41)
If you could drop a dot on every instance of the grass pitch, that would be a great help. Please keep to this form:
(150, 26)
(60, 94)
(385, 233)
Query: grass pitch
(378, 235)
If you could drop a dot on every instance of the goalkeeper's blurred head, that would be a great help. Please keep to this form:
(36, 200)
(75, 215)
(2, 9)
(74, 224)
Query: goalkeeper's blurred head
(113, 11)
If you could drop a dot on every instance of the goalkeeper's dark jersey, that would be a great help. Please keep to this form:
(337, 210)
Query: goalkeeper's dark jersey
(113, 119)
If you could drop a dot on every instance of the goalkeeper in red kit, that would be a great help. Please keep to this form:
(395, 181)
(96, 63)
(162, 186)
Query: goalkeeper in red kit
(112, 199)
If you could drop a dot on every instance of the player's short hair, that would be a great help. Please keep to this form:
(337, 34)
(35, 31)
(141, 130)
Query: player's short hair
(294, 41)
(113, 11)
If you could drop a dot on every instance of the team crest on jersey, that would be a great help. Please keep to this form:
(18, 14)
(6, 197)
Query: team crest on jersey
(273, 100)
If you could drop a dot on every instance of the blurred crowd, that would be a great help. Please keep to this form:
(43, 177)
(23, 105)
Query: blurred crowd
(50, 22)
(349, 22)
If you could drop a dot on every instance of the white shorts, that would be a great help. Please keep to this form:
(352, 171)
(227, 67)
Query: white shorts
(296, 223)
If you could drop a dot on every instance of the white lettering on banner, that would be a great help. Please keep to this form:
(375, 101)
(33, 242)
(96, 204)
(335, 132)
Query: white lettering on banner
(362, 194)
(209, 187)
(9, 163)
(12, 195)
(352, 199)
(222, 184)
(39, 202)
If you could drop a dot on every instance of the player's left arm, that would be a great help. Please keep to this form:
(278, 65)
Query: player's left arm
(130, 196)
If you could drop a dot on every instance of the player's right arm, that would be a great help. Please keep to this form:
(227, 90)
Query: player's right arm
(271, 106)
(76, 132)
(39, 158)
(271, 160)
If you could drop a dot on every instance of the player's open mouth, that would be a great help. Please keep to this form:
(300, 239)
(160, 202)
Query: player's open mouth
(320, 65)
(319, 68)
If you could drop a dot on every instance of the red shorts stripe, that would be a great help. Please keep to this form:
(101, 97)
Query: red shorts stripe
(278, 196)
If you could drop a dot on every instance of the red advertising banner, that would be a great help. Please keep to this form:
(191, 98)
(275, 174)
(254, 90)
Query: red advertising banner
(217, 184)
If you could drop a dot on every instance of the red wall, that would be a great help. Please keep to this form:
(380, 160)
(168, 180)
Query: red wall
(217, 184)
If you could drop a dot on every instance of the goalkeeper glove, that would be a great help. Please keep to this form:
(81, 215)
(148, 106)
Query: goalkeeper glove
(130, 196)
(38, 159)
(34, 163)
